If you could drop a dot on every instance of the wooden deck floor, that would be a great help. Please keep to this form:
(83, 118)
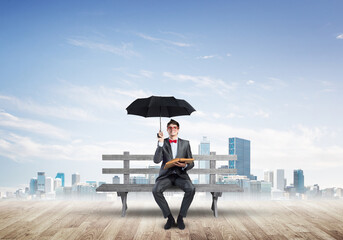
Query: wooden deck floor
(237, 220)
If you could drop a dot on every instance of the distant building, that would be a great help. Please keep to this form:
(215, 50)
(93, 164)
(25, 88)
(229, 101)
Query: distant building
(75, 179)
(269, 177)
(83, 191)
(241, 148)
(204, 149)
(57, 183)
(20, 193)
(92, 183)
(266, 187)
(314, 191)
(255, 188)
(139, 180)
(33, 186)
(339, 192)
(61, 176)
(291, 192)
(152, 177)
(328, 193)
(279, 179)
(298, 180)
(116, 180)
(49, 185)
(41, 182)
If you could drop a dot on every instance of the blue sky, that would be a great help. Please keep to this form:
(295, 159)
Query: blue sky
(267, 71)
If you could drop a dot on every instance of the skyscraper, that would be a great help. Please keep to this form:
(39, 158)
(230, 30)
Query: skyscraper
(33, 186)
(75, 179)
(298, 180)
(41, 182)
(241, 148)
(269, 177)
(279, 179)
(49, 185)
(61, 176)
(204, 149)
(57, 183)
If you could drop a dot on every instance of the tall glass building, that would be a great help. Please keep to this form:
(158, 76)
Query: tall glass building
(279, 179)
(241, 148)
(75, 179)
(298, 180)
(41, 182)
(61, 176)
(33, 186)
(204, 149)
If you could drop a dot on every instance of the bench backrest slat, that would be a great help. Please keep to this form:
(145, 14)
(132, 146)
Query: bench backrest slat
(143, 157)
(126, 170)
(156, 171)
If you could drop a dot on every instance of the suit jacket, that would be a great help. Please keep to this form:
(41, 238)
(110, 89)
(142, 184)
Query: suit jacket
(164, 154)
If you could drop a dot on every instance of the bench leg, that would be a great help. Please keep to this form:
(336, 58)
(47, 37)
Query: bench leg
(123, 196)
(214, 208)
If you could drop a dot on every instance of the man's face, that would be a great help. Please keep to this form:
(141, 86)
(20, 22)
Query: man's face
(173, 130)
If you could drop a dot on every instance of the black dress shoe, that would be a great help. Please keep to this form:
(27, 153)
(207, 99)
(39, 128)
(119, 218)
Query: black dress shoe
(180, 223)
(170, 223)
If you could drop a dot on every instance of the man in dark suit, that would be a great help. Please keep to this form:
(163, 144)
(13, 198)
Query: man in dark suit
(168, 149)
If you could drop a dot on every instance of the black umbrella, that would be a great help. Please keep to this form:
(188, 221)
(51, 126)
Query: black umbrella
(158, 106)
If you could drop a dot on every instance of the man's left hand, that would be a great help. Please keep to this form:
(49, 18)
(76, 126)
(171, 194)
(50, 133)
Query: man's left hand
(180, 164)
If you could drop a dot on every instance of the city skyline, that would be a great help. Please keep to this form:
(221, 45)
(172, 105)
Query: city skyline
(264, 71)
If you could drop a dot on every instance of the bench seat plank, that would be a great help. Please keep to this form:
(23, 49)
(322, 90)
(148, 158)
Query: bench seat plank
(148, 188)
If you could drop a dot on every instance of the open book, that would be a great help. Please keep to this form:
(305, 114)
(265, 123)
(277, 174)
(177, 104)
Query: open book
(170, 163)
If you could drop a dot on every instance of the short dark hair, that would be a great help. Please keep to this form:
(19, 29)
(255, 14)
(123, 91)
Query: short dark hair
(172, 121)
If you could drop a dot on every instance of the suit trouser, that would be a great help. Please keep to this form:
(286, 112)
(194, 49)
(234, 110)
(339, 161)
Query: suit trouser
(162, 184)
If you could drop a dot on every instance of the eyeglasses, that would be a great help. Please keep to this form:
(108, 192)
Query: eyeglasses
(171, 128)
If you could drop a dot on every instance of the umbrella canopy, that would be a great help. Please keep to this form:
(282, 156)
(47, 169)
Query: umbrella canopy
(159, 106)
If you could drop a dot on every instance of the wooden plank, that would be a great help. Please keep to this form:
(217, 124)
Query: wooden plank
(237, 220)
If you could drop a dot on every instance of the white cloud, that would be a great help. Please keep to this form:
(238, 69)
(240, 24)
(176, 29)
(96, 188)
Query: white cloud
(10, 121)
(273, 83)
(123, 50)
(340, 36)
(250, 82)
(207, 57)
(141, 74)
(277, 82)
(61, 112)
(102, 97)
(217, 85)
(24, 149)
(146, 73)
(153, 39)
(228, 55)
(216, 115)
(328, 86)
(174, 34)
(233, 115)
(261, 113)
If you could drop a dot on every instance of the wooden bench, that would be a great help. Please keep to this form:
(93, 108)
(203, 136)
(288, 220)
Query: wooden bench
(122, 189)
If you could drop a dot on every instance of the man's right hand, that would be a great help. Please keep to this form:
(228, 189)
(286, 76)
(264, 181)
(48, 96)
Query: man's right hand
(160, 136)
